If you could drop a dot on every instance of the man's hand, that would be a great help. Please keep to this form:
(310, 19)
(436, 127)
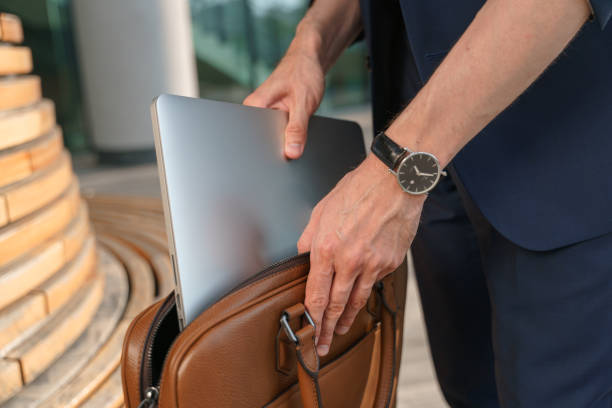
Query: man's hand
(296, 86)
(357, 234)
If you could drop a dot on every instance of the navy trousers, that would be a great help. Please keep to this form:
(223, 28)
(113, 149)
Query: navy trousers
(509, 327)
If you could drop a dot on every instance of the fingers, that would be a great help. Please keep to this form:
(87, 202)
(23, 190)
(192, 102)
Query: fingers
(296, 130)
(318, 286)
(357, 300)
(340, 292)
(256, 99)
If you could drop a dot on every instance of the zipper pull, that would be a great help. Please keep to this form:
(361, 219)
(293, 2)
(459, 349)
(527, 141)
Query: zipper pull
(150, 400)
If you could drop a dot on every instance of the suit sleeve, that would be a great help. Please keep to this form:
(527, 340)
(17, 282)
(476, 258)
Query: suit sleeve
(602, 11)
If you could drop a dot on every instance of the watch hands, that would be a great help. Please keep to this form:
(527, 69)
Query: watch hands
(418, 173)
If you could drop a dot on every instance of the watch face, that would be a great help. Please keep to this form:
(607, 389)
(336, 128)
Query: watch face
(418, 173)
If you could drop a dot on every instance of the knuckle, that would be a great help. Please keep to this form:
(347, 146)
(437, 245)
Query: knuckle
(326, 247)
(334, 310)
(316, 302)
(295, 129)
(357, 303)
(353, 259)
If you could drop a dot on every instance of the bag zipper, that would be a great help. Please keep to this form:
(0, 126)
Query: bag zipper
(150, 399)
(270, 270)
(149, 392)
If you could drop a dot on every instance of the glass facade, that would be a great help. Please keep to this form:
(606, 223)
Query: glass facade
(237, 44)
(47, 26)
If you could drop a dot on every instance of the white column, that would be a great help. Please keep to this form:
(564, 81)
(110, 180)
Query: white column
(130, 52)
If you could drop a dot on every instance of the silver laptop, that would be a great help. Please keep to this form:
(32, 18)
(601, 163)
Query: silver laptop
(233, 203)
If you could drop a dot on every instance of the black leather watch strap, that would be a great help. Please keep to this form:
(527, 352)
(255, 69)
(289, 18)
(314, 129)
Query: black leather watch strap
(387, 150)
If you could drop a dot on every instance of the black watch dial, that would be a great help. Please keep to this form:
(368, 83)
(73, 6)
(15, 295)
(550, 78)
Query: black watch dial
(418, 173)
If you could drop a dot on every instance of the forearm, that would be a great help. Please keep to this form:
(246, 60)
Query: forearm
(506, 47)
(327, 29)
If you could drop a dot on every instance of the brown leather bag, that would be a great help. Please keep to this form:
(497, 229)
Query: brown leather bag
(255, 348)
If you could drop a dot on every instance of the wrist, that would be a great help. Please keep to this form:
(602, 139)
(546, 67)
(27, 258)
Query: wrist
(378, 170)
(417, 139)
(308, 41)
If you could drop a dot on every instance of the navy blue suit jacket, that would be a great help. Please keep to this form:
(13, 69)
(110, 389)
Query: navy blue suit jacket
(541, 172)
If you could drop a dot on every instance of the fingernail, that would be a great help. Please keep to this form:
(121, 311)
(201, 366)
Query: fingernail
(293, 149)
(342, 329)
(322, 350)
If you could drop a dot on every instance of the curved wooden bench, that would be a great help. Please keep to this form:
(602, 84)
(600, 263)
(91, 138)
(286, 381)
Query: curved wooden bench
(149, 225)
(54, 292)
(63, 285)
(15, 60)
(159, 260)
(10, 28)
(71, 364)
(17, 92)
(22, 125)
(21, 161)
(59, 332)
(20, 237)
(36, 191)
(94, 381)
(25, 274)
(140, 275)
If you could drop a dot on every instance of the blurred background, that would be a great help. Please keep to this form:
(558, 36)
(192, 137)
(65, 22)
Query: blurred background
(102, 62)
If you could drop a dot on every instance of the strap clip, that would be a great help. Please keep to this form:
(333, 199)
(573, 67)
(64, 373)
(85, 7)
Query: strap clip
(284, 321)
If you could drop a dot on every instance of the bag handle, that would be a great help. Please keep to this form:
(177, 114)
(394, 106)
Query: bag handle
(308, 359)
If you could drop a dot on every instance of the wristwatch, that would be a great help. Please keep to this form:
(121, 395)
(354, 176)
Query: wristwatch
(416, 172)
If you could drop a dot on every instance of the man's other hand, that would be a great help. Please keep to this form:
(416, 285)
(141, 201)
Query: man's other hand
(296, 86)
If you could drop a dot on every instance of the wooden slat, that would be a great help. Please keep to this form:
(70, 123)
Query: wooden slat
(19, 126)
(126, 203)
(21, 161)
(73, 238)
(149, 224)
(22, 236)
(72, 362)
(10, 378)
(15, 60)
(10, 28)
(17, 92)
(109, 395)
(16, 319)
(44, 153)
(64, 284)
(38, 190)
(32, 269)
(17, 279)
(59, 332)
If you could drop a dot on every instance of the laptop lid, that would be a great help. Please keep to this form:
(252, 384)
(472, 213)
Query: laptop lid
(233, 204)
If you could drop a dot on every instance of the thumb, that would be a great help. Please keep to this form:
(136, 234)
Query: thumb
(296, 131)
